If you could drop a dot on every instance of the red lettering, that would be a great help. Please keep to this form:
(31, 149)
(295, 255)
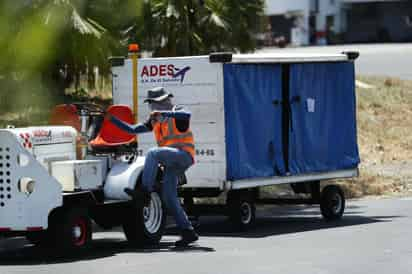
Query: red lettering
(42, 133)
(153, 70)
(170, 70)
(145, 72)
(162, 70)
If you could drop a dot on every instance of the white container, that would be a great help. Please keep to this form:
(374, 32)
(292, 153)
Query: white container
(104, 159)
(49, 143)
(78, 174)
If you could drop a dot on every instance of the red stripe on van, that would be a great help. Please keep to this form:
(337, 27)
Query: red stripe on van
(34, 228)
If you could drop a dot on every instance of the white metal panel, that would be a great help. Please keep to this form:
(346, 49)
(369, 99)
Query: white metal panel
(30, 137)
(104, 160)
(206, 94)
(122, 175)
(283, 57)
(206, 175)
(203, 133)
(200, 112)
(200, 91)
(46, 154)
(78, 174)
(205, 152)
(19, 210)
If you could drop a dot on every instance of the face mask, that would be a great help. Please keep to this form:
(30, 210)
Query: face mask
(159, 106)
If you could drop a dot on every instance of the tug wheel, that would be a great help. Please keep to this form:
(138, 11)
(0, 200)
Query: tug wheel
(71, 229)
(144, 225)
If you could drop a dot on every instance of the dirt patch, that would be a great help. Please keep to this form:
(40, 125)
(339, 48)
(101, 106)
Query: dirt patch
(385, 138)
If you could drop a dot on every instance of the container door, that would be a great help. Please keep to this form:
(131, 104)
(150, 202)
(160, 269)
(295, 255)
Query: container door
(322, 134)
(253, 120)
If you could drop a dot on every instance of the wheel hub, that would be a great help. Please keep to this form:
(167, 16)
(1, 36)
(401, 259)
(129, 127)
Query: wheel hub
(245, 213)
(153, 214)
(146, 213)
(79, 232)
(336, 203)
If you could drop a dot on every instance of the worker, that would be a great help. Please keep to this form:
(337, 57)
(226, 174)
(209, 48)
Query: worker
(175, 152)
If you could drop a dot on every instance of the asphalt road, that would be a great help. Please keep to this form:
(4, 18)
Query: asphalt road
(375, 236)
(375, 59)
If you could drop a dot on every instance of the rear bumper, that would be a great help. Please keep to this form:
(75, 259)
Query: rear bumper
(6, 232)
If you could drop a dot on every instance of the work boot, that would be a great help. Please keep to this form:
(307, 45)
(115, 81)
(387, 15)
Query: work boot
(188, 236)
(139, 195)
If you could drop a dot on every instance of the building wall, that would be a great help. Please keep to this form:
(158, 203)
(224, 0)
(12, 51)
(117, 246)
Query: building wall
(389, 21)
(276, 7)
(326, 15)
(290, 18)
(330, 8)
(334, 21)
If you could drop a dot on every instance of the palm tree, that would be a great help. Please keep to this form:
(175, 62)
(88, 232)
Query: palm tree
(61, 39)
(80, 43)
(245, 19)
(189, 27)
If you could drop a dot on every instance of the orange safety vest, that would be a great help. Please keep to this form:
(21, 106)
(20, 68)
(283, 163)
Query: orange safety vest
(167, 134)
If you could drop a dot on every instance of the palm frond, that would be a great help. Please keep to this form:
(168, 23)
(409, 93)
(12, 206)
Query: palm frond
(171, 11)
(86, 26)
(218, 21)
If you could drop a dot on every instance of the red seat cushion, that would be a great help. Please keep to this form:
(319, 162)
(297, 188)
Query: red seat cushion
(65, 115)
(110, 135)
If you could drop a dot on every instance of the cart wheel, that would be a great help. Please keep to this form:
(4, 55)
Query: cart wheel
(241, 210)
(145, 225)
(71, 229)
(332, 203)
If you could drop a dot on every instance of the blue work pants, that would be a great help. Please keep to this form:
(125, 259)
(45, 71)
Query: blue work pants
(175, 163)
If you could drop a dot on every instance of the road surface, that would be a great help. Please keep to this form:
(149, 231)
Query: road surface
(375, 236)
(375, 59)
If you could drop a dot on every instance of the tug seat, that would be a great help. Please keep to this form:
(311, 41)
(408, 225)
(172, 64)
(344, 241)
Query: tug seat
(110, 136)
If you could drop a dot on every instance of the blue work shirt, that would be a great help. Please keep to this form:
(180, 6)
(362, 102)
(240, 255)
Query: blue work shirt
(182, 121)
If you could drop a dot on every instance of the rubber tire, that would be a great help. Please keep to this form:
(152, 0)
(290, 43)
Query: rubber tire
(135, 230)
(61, 229)
(40, 238)
(235, 202)
(327, 209)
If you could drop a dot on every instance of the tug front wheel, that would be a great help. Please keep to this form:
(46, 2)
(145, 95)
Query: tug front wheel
(144, 225)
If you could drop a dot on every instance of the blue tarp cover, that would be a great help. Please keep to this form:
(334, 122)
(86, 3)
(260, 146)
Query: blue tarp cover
(323, 127)
(253, 137)
(322, 131)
